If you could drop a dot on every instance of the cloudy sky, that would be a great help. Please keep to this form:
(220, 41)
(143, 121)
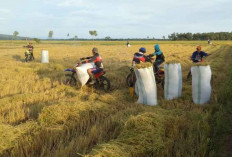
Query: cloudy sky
(114, 18)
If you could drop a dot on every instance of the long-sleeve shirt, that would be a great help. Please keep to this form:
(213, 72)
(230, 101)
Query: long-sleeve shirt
(197, 56)
(158, 53)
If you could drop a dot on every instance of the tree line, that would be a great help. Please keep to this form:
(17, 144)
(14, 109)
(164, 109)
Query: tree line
(173, 36)
(201, 36)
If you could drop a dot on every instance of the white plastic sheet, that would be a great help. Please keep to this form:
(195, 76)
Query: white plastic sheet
(201, 87)
(173, 81)
(146, 86)
(82, 73)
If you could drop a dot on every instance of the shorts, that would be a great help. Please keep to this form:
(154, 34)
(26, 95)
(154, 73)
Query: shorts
(96, 70)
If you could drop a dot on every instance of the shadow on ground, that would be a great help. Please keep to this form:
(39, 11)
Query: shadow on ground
(18, 58)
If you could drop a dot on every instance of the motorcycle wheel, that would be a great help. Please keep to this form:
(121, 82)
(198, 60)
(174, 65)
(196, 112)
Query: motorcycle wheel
(31, 58)
(70, 80)
(26, 58)
(103, 83)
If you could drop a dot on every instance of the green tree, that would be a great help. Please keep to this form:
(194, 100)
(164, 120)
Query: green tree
(67, 35)
(16, 33)
(93, 33)
(189, 36)
(173, 36)
(75, 37)
(201, 36)
(50, 34)
(107, 38)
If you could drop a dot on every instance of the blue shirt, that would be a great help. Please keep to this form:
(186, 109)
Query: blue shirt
(197, 57)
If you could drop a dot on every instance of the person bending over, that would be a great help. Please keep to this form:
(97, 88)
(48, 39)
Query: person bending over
(140, 57)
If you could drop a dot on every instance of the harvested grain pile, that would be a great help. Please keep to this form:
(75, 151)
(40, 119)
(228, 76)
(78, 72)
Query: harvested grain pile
(159, 133)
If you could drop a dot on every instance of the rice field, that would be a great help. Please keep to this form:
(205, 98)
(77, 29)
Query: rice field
(39, 116)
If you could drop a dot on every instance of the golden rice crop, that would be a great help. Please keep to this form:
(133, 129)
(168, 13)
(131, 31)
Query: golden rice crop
(39, 116)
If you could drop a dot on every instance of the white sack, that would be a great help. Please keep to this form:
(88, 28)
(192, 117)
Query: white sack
(173, 81)
(44, 56)
(201, 87)
(82, 73)
(146, 86)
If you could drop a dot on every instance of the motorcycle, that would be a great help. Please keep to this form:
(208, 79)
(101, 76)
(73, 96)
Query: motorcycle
(28, 56)
(101, 83)
(159, 76)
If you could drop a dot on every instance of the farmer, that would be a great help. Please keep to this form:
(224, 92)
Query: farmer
(197, 56)
(128, 44)
(96, 58)
(30, 48)
(159, 58)
(140, 57)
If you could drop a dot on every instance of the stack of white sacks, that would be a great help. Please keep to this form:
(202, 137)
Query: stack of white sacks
(146, 90)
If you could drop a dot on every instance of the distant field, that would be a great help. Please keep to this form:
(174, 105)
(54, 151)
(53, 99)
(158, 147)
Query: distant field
(39, 116)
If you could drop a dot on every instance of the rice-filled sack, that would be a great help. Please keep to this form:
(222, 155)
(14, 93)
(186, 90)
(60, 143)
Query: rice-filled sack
(201, 87)
(82, 73)
(173, 81)
(145, 86)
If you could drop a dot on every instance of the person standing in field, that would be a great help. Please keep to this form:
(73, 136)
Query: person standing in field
(96, 58)
(197, 57)
(159, 58)
(30, 48)
(128, 44)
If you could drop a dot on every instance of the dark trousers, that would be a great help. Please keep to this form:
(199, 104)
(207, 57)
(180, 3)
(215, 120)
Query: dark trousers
(156, 65)
(32, 56)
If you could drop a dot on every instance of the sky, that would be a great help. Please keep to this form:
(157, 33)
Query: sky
(114, 18)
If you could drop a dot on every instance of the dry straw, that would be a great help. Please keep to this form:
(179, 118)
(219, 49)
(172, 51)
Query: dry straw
(41, 117)
(172, 62)
(143, 65)
(201, 64)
